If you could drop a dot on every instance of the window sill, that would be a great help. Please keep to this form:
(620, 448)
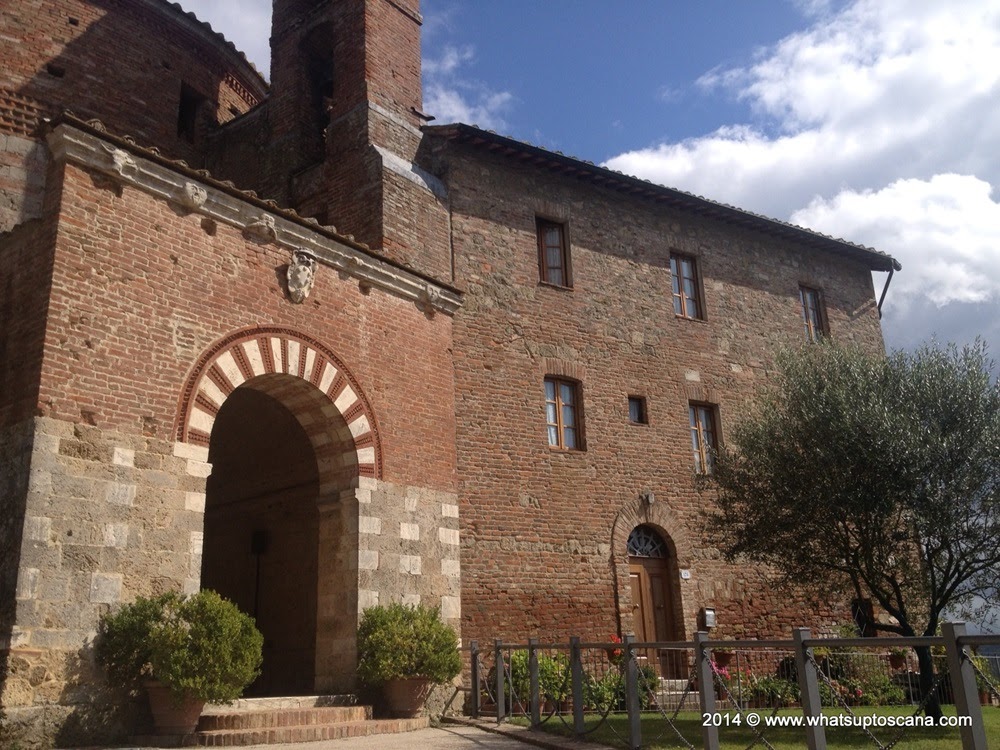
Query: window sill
(550, 285)
(693, 320)
(567, 451)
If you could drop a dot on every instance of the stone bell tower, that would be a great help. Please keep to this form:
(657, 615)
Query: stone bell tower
(345, 123)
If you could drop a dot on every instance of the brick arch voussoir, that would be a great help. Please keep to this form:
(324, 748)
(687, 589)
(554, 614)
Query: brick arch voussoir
(249, 354)
(637, 513)
(657, 515)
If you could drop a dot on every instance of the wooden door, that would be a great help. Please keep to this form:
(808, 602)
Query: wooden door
(652, 610)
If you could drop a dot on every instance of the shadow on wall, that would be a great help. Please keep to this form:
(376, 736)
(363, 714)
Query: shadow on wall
(198, 81)
(86, 721)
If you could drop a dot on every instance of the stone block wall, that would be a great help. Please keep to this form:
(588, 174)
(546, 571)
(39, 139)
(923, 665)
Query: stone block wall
(22, 179)
(107, 517)
(407, 550)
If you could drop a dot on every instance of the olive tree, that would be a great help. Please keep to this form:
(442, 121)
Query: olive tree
(872, 476)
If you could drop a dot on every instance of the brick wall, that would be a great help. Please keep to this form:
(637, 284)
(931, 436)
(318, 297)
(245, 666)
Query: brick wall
(140, 291)
(544, 530)
(69, 54)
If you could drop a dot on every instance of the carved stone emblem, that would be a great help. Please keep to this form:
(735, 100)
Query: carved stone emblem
(193, 196)
(301, 275)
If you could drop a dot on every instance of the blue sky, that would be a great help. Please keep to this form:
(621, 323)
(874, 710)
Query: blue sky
(873, 120)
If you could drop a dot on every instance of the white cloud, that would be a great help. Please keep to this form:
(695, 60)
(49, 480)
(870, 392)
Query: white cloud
(451, 96)
(949, 227)
(880, 123)
(246, 24)
(449, 93)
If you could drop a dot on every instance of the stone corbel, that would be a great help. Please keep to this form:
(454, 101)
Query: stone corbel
(192, 196)
(428, 299)
(262, 228)
(120, 165)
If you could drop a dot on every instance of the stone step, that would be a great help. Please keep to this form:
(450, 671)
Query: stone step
(263, 718)
(671, 700)
(314, 733)
(673, 686)
(267, 704)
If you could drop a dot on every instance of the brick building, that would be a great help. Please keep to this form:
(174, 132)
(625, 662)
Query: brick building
(295, 344)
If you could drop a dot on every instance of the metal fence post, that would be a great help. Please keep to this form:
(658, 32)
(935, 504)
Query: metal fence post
(963, 685)
(809, 690)
(536, 714)
(474, 655)
(706, 691)
(498, 665)
(576, 675)
(632, 695)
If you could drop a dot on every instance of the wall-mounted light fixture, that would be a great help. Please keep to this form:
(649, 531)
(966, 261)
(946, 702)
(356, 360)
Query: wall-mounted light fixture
(707, 617)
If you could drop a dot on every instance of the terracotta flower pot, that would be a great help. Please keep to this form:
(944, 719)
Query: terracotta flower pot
(897, 661)
(722, 658)
(170, 716)
(406, 696)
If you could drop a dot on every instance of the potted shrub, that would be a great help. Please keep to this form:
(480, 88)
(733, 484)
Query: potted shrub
(897, 658)
(404, 650)
(615, 653)
(982, 665)
(187, 651)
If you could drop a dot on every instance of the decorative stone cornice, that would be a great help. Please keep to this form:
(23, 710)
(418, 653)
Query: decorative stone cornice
(132, 166)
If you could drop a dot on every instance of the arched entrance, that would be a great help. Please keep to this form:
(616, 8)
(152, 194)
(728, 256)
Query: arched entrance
(289, 437)
(262, 532)
(654, 582)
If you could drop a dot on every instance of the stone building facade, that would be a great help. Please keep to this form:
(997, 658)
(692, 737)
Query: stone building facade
(295, 344)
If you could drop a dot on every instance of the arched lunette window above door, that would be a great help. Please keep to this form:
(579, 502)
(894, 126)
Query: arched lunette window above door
(645, 542)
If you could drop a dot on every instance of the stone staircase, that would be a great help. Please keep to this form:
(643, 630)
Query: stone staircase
(269, 721)
(671, 692)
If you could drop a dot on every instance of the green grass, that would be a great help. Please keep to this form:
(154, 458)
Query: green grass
(656, 733)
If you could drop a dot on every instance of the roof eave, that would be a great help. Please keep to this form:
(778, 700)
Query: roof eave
(874, 259)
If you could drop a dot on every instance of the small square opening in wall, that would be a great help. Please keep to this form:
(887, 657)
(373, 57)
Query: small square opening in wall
(637, 410)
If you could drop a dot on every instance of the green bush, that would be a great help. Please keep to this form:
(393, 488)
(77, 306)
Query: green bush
(774, 691)
(124, 638)
(553, 677)
(400, 641)
(608, 692)
(200, 646)
(983, 673)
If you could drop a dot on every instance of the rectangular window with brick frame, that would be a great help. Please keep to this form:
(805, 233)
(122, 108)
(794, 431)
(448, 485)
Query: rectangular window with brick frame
(562, 414)
(637, 410)
(704, 436)
(813, 318)
(686, 286)
(553, 253)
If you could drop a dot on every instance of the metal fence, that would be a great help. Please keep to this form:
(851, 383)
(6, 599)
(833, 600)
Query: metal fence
(580, 684)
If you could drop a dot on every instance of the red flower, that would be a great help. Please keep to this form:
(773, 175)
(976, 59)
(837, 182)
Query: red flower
(614, 654)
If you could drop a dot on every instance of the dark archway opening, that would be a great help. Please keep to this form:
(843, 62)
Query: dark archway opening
(262, 532)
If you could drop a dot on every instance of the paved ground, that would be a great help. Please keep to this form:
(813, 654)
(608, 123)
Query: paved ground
(447, 737)
(486, 736)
